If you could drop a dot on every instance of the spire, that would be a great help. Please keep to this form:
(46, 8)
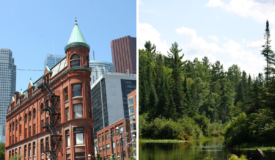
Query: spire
(76, 38)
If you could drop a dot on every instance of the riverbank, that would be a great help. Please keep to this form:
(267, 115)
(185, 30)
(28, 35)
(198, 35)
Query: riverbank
(144, 140)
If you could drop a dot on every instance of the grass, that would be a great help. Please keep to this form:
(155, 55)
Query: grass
(254, 147)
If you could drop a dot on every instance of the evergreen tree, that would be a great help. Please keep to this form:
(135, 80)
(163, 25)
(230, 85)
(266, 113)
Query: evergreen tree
(153, 102)
(240, 93)
(174, 61)
(268, 54)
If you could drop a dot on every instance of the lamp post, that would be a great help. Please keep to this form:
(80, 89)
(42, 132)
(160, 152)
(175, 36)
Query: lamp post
(117, 130)
(89, 156)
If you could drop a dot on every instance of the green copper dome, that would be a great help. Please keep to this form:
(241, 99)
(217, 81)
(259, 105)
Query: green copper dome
(76, 39)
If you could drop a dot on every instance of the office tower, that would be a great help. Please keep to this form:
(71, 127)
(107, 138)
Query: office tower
(109, 98)
(7, 86)
(51, 119)
(99, 68)
(52, 60)
(124, 54)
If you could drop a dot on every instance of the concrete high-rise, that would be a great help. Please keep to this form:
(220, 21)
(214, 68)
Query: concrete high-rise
(99, 68)
(7, 86)
(109, 98)
(124, 54)
(52, 60)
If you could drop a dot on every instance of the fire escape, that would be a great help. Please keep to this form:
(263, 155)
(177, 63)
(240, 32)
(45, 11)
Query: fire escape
(54, 113)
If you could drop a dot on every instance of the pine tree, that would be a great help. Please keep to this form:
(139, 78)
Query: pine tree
(268, 54)
(240, 93)
(174, 61)
(153, 102)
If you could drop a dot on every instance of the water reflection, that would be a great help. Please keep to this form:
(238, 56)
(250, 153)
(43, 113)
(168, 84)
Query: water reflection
(197, 150)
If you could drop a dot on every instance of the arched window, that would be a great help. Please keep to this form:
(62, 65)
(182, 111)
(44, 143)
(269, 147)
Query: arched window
(41, 109)
(75, 61)
(30, 115)
(87, 62)
(34, 113)
(16, 125)
(26, 118)
(47, 104)
(10, 127)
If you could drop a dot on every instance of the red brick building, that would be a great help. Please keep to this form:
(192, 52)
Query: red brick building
(109, 140)
(52, 119)
(132, 103)
(124, 54)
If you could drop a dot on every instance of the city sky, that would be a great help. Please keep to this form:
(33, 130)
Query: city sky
(231, 31)
(30, 28)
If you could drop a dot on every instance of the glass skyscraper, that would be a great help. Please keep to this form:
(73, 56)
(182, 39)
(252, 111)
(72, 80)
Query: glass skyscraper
(99, 68)
(109, 98)
(52, 60)
(7, 86)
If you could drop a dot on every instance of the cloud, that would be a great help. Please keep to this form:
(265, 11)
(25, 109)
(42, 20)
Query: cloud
(140, 2)
(147, 32)
(256, 44)
(197, 44)
(258, 10)
(214, 38)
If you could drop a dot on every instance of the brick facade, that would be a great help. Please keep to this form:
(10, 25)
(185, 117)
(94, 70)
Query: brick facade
(108, 145)
(25, 117)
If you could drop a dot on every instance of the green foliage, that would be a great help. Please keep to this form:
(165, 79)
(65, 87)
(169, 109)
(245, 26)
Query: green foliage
(16, 157)
(236, 158)
(2, 150)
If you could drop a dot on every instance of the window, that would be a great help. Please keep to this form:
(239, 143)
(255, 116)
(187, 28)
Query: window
(77, 90)
(100, 149)
(103, 148)
(68, 156)
(112, 132)
(30, 117)
(117, 143)
(47, 144)
(130, 101)
(79, 135)
(30, 130)
(75, 60)
(80, 156)
(87, 65)
(133, 126)
(132, 118)
(107, 147)
(107, 136)
(114, 144)
(25, 118)
(34, 113)
(19, 151)
(42, 145)
(88, 92)
(99, 140)
(25, 132)
(33, 146)
(67, 133)
(102, 138)
(67, 113)
(42, 123)
(25, 151)
(121, 129)
(47, 121)
(66, 94)
(78, 111)
(34, 129)
(41, 109)
(30, 150)
(131, 110)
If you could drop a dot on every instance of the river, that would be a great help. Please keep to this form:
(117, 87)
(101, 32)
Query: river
(196, 150)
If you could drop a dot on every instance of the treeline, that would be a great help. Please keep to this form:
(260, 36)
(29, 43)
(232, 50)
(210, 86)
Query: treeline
(172, 89)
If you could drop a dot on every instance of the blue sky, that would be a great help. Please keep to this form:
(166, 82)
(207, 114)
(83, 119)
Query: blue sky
(230, 31)
(29, 28)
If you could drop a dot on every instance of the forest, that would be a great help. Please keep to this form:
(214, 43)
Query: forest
(184, 99)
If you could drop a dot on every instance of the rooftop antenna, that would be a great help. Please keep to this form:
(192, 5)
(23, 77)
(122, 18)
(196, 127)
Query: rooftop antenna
(94, 54)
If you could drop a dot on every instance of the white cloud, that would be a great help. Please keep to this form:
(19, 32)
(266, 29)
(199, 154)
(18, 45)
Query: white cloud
(259, 11)
(214, 38)
(147, 32)
(197, 44)
(140, 2)
(256, 44)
